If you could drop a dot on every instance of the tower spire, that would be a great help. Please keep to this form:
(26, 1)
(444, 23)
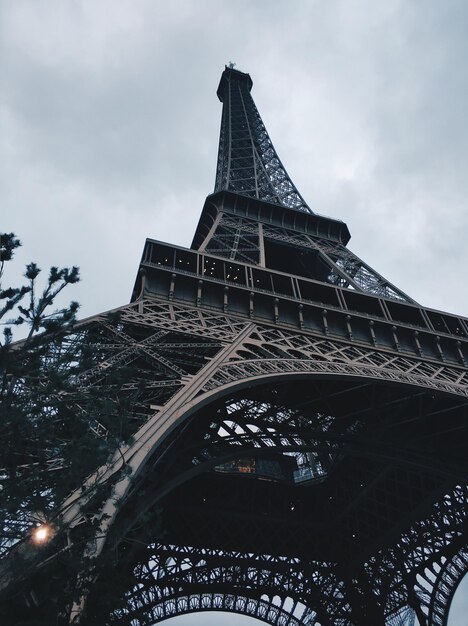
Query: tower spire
(247, 160)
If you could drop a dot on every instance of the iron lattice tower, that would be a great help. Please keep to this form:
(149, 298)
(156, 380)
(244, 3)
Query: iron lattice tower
(299, 450)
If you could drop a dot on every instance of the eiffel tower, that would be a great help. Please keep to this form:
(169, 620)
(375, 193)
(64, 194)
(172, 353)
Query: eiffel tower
(299, 451)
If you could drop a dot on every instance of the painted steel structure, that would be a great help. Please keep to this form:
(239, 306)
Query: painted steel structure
(300, 441)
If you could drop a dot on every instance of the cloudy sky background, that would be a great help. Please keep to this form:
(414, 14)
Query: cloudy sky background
(110, 125)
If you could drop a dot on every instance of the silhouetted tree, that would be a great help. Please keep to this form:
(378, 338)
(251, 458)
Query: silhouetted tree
(55, 428)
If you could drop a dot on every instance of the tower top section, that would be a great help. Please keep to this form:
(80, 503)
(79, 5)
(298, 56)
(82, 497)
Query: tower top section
(247, 160)
(232, 75)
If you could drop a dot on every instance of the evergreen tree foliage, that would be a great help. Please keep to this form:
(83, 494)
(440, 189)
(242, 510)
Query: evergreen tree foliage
(55, 427)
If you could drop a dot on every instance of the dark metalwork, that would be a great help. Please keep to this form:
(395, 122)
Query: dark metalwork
(298, 447)
(247, 161)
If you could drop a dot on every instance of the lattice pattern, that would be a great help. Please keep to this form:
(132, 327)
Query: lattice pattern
(357, 274)
(443, 577)
(176, 317)
(283, 351)
(254, 591)
(289, 442)
(247, 161)
(174, 581)
(426, 569)
(236, 239)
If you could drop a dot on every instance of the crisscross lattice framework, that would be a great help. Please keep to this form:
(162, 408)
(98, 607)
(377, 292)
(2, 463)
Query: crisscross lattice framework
(401, 511)
(247, 161)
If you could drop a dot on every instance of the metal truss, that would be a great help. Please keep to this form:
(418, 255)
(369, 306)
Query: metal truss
(236, 239)
(353, 273)
(253, 590)
(296, 446)
(346, 269)
(418, 576)
(249, 425)
(167, 344)
(241, 240)
(181, 357)
(293, 351)
(247, 161)
(248, 165)
(436, 586)
(170, 581)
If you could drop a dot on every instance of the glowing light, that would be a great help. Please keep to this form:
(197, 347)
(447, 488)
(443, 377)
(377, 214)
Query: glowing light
(42, 534)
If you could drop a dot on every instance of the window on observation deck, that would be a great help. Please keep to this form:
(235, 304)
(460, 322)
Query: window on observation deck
(279, 469)
(295, 260)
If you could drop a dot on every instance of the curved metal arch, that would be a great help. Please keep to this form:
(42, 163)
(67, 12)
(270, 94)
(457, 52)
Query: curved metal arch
(240, 374)
(448, 516)
(225, 454)
(448, 579)
(243, 372)
(237, 375)
(266, 612)
(172, 581)
(177, 411)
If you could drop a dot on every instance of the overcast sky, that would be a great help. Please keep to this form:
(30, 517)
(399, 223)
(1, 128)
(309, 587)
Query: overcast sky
(110, 125)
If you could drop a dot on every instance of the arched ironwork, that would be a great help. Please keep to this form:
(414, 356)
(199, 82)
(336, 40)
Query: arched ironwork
(280, 440)
(437, 583)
